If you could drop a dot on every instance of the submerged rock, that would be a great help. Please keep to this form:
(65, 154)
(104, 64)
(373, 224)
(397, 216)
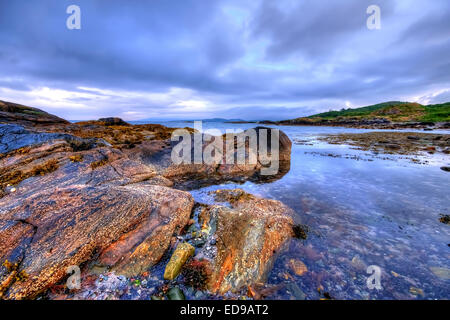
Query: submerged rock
(298, 267)
(441, 273)
(175, 294)
(445, 218)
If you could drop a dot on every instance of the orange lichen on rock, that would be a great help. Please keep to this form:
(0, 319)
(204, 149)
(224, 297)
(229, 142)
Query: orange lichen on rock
(15, 177)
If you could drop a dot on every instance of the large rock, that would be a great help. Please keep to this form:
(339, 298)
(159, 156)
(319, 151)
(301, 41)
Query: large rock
(13, 137)
(129, 223)
(190, 175)
(112, 121)
(249, 235)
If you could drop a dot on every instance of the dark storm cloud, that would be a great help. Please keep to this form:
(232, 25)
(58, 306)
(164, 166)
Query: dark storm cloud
(199, 58)
(122, 43)
(314, 28)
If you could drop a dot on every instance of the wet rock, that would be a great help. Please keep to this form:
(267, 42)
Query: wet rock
(74, 223)
(358, 264)
(298, 267)
(445, 218)
(300, 231)
(249, 236)
(196, 274)
(175, 294)
(416, 291)
(393, 142)
(445, 169)
(178, 259)
(159, 154)
(395, 274)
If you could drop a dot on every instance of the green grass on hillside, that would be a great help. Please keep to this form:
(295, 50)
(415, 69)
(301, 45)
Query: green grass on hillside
(437, 112)
(358, 112)
(396, 111)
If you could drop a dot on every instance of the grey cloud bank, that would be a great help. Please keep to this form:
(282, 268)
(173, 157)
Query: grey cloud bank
(233, 59)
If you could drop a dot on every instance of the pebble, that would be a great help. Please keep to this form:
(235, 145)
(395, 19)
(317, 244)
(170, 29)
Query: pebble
(298, 267)
(416, 291)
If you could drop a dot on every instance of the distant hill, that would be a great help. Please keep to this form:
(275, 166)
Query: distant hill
(14, 112)
(395, 111)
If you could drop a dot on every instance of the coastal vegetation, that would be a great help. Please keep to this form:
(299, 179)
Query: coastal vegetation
(395, 111)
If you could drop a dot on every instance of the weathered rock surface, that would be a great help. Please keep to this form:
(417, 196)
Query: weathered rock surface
(130, 223)
(98, 194)
(248, 237)
(15, 238)
(13, 137)
(192, 174)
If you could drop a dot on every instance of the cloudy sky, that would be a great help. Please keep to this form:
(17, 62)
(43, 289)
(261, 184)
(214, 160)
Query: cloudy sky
(192, 59)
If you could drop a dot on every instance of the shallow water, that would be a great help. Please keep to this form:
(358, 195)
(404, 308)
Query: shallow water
(362, 210)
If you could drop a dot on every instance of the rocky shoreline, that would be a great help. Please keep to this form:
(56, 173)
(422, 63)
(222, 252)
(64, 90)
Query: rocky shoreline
(359, 124)
(104, 196)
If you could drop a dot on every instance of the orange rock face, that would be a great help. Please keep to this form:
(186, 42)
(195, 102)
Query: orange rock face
(15, 238)
(74, 223)
(249, 236)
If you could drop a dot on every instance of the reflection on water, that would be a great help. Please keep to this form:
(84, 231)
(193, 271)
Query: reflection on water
(361, 213)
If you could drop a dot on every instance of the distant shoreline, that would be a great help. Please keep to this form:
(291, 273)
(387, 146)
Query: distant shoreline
(362, 124)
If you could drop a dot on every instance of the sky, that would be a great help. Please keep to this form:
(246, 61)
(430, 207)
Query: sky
(198, 59)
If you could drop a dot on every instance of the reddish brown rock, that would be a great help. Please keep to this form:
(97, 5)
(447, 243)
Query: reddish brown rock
(15, 237)
(74, 223)
(249, 235)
